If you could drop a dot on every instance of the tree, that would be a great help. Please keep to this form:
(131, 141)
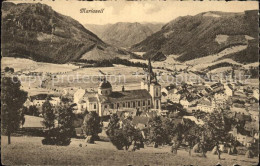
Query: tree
(214, 128)
(32, 110)
(128, 134)
(115, 133)
(48, 115)
(65, 129)
(168, 128)
(123, 136)
(92, 125)
(9, 69)
(156, 133)
(12, 100)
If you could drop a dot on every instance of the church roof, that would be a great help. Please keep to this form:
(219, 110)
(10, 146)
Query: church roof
(105, 84)
(119, 96)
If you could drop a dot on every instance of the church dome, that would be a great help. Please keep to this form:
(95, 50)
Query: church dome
(105, 84)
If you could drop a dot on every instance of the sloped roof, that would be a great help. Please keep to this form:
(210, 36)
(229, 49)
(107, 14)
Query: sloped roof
(170, 87)
(129, 95)
(92, 99)
(40, 97)
(105, 84)
(203, 101)
(90, 94)
(33, 122)
(216, 85)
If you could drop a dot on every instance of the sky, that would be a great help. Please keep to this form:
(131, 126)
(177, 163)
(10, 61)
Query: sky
(141, 11)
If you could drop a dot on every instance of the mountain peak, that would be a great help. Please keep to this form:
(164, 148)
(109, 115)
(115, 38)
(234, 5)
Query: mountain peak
(36, 31)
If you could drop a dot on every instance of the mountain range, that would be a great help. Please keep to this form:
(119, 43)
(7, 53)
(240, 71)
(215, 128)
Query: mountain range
(205, 34)
(124, 34)
(37, 32)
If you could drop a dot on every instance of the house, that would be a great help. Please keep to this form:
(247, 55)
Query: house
(169, 89)
(169, 92)
(256, 93)
(185, 103)
(175, 98)
(194, 119)
(28, 103)
(69, 91)
(38, 100)
(254, 115)
(251, 126)
(206, 91)
(163, 112)
(205, 105)
(239, 110)
(243, 139)
(239, 117)
(217, 87)
(33, 122)
(229, 91)
(220, 98)
(55, 101)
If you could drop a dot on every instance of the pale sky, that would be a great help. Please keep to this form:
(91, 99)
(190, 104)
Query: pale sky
(141, 11)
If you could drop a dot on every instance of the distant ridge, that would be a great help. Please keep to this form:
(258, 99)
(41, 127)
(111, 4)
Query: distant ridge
(124, 34)
(197, 36)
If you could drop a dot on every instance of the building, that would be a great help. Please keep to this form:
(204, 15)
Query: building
(217, 87)
(185, 103)
(38, 100)
(220, 99)
(243, 139)
(194, 119)
(106, 101)
(55, 101)
(229, 90)
(205, 105)
(169, 89)
(256, 93)
(240, 110)
(175, 98)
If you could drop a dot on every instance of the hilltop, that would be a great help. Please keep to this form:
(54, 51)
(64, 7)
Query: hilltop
(205, 34)
(37, 32)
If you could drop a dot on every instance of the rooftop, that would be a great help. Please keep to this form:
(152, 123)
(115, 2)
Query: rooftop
(118, 96)
(105, 84)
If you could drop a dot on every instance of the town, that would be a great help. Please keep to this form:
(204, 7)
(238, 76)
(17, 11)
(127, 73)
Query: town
(230, 108)
(158, 83)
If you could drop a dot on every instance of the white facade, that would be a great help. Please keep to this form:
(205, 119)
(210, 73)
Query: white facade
(185, 103)
(256, 93)
(228, 90)
(205, 108)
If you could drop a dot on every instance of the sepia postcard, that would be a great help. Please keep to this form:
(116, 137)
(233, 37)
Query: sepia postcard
(137, 83)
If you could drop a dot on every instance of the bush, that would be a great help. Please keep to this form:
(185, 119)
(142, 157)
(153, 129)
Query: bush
(48, 141)
(117, 139)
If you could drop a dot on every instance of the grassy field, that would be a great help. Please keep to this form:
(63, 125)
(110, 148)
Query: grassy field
(29, 65)
(30, 151)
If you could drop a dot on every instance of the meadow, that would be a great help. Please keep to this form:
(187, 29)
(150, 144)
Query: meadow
(30, 151)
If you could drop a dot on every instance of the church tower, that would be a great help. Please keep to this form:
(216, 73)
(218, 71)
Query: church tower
(151, 84)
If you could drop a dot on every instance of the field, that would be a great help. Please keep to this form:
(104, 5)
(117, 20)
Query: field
(30, 151)
(21, 64)
(68, 75)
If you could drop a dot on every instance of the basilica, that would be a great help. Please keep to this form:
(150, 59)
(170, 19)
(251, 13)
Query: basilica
(106, 101)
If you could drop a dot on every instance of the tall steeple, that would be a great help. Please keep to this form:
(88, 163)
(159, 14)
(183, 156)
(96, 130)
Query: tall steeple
(151, 74)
